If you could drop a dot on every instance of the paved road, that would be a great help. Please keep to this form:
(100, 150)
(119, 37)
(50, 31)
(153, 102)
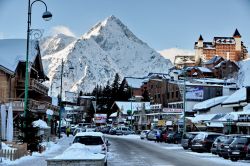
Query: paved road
(127, 152)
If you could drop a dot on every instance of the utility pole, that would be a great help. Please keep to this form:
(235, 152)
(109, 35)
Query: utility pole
(61, 105)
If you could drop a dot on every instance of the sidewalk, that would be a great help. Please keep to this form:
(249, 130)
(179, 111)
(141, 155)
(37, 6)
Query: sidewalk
(39, 159)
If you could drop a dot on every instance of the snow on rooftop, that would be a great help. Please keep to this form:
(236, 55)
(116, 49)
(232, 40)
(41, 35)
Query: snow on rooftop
(113, 115)
(204, 69)
(236, 97)
(203, 117)
(125, 106)
(209, 103)
(14, 50)
(40, 123)
(78, 151)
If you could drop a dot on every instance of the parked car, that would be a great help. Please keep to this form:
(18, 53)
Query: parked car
(78, 130)
(95, 141)
(187, 138)
(144, 134)
(174, 137)
(248, 152)
(223, 148)
(203, 141)
(239, 148)
(124, 130)
(217, 143)
(153, 133)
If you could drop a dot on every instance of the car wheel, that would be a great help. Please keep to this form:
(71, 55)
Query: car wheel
(185, 148)
(219, 155)
(234, 159)
(225, 157)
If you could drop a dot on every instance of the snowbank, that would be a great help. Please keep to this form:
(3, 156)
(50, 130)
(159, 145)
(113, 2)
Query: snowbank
(78, 151)
(40, 123)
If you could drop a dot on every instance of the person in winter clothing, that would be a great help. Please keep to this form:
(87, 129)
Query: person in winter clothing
(68, 131)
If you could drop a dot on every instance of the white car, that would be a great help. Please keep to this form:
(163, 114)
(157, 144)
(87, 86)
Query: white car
(144, 134)
(95, 141)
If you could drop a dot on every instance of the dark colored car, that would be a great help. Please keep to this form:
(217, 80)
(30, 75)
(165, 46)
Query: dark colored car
(239, 148)
(217, 143)
(187, 138)
(248, 152)
(203, 141)
(174, 137)
(223, 148)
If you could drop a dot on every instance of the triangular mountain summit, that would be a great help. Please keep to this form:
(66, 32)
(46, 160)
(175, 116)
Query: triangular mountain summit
(108, 48)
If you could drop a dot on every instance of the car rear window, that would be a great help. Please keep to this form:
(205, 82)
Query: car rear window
(212, 137)
(240, 141)
(89, 140)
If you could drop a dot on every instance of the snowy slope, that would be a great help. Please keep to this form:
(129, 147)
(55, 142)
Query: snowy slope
(108, 48)
(244, 76)
(53, 44)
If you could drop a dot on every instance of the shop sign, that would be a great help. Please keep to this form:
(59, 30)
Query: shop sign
(172, 110)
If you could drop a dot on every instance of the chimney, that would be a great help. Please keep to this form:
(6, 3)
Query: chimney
(248, 94)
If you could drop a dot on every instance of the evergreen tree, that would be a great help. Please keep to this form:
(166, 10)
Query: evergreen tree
(115, 87)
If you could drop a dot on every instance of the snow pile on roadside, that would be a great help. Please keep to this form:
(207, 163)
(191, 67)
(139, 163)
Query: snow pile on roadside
(78, 151)
(40, 123)
(130, 136)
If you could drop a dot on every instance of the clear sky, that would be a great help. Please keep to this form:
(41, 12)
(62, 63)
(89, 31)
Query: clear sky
(160, 23)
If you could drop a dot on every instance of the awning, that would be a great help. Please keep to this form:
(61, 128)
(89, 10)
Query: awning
(243, 124)
(215, 124)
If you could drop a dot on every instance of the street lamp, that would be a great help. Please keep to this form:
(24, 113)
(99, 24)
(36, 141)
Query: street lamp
(60, 95)
(46, 16)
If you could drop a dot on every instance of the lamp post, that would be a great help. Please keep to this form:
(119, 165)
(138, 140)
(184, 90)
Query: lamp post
(60, 96)
(61, 105)
(184, 102)
(46, 16)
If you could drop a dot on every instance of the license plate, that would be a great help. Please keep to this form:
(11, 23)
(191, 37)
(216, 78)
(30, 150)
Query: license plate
(235, 152)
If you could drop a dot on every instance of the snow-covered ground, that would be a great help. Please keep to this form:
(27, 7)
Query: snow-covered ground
(39, 159)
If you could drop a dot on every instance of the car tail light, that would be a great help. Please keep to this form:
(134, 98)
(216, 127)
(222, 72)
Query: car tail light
(245, 148)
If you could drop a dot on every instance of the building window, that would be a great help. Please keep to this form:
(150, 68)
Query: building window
(168, 95)
(177, 94)
(172, 94)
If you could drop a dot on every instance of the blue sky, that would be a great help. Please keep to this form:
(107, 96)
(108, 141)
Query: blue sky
(160, 23)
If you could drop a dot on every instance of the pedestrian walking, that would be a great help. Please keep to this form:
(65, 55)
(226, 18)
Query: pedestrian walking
(68, 131)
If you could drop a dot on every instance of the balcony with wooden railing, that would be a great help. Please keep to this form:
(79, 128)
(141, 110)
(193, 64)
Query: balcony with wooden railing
(33, 85)
(33, 105)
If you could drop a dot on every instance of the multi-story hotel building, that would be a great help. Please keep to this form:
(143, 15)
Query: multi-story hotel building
(231, 48)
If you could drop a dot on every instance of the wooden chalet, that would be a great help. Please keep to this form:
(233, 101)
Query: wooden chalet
(12, 80)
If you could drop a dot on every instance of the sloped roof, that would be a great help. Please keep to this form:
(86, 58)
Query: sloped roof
(13, 51)
(236, 97)
(236, 33)
(209, 103)
(124, 106)
(213, 60)
(200, 38)
(135, 82)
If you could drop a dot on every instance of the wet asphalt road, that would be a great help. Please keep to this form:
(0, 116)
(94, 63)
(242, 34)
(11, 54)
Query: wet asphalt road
(135, 152)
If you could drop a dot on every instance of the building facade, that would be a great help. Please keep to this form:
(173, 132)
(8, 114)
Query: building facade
(231, 48)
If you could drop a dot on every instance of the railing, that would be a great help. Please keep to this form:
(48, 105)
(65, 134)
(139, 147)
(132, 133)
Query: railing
(14, 153)
(35, 85)
(18, 105)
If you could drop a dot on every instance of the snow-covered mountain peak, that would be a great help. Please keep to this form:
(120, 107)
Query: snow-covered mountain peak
(111, 27)
(108, 48)
(55, 43)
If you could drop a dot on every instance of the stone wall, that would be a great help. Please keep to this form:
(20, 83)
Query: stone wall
(75, 162)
